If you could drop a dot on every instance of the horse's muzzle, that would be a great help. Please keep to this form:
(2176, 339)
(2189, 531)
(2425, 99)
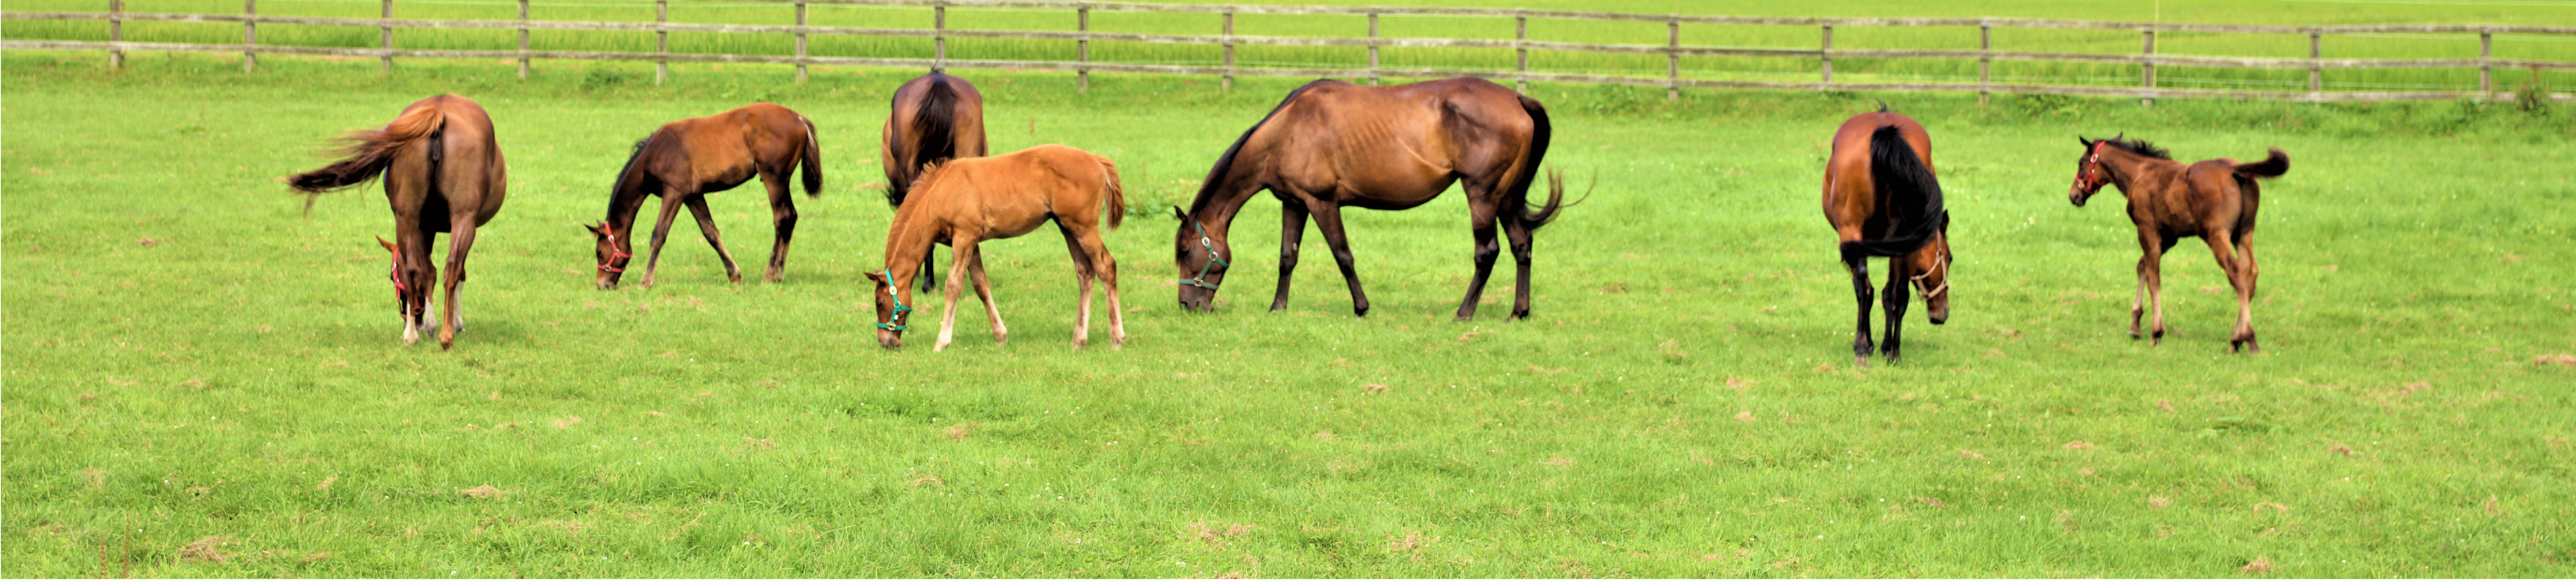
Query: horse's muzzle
(2077, 196)
(889, 340)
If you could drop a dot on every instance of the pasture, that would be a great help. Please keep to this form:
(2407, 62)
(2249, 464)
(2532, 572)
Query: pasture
(203, 381)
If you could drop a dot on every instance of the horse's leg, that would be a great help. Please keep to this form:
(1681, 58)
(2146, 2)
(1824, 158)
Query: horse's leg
(2222, 244)
(707, 225)
(984, 293)
(1292, 228)
(459, 243)
(1858, 264)
(1328, 219)
(782, 215)
(1480, 221)
(1519, 236)
(1894, 299)
(662, 230)
(957, 269)
(1082, 273)
(413, 241)
(1104, 267)
(930, 267)
(2245, 295)
(2152, 268)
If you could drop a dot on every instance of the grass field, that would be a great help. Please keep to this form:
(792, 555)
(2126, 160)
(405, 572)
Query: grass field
(200, 381)
(2273, 12)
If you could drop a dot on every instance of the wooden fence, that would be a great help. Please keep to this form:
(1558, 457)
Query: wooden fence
(1082, 64)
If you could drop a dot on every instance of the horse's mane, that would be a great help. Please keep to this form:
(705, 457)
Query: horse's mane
(629, 168)
(2139, 146)
(929, 174)
(1225, 163)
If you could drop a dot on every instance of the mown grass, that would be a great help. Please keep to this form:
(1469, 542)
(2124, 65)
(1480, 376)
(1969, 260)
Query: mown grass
(230, 398)
(1771, 69)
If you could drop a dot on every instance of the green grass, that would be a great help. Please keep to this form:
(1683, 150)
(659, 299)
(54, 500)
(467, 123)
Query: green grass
(1731, 68)
(1681, 404)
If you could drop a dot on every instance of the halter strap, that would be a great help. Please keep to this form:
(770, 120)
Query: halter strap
(894, 322)
(2093, 164)
(613, 254)
(1940, 267)
(1213, 259)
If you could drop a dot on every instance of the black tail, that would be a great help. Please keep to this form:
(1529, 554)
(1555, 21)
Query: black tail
(812, 159)
(2271, 166)
(1517, 200)
(934, 137)
(1907, 193)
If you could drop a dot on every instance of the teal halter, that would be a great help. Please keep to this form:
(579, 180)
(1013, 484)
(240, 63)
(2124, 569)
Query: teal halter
(1213, 260)
(895, 322)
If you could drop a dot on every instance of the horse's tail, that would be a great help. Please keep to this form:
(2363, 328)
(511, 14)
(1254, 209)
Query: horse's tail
(1907, 192)
(1517, 197)
(934, 125)
(1117, 193)
(369, 152)
(813, 160)
(2271, 166)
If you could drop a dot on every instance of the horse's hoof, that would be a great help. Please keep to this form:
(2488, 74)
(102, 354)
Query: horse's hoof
(1860, 361)
(1359, 311)
(2156, 339)
(999, 338)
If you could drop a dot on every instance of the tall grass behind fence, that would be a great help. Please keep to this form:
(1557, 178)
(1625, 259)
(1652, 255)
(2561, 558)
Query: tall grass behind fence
(2552, 49)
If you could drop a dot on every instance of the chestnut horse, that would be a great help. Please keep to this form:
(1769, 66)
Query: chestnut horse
(443, 173)
(2169, 201)
(1884, 201)
(970, 200)
(935, 118)
(1332, 144)
(690, 158)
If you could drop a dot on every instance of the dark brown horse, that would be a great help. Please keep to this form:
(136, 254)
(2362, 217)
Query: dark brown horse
(1332, 144)
(968, 201)
(1884, 201)
(443, 173)
(935, 118)
(2169, 201)
(690, 158)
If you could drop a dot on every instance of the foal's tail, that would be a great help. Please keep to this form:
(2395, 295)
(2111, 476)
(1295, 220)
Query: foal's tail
(1908, 194)
(1117, 193)
(2271, 166)
(812, 159)
(369, 152)
(1517, 199)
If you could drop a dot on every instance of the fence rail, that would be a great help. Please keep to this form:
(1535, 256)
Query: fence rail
(1824, 54)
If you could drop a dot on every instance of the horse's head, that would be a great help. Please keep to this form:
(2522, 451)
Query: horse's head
(1932, 278)
(2090, 172)
(894, 313)
(611, 251)
(1202, 260)
(402, 288)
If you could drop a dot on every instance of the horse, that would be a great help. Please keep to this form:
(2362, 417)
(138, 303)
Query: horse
(443, 173)
(2213, 199)
(969, 200)
(687, 159)
(934, 118)
(1332, 144)
(1883, 200)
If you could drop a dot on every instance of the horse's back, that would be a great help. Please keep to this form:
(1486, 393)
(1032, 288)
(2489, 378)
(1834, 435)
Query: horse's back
(469, 155)
(1850, 191)
(1400, 145)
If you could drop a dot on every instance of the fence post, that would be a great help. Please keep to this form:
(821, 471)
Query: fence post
(661, 41)
(1673, 60)
(2486, 74)
(1520, 33)
(800, 41)
(1228, 83)
(2147, 68)
(1372, 71)
(1826, 54)
(385, 36)
(939, 37)
(1082, 50)
(116, 33)
(1985, 62)
(523, 39)
(2316, 70)
(250, 35)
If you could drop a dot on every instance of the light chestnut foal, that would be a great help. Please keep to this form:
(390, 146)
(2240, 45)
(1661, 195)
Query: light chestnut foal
(966, 201)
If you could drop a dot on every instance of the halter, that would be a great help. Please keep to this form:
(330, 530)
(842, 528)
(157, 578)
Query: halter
(1213, 260)
(613, 254)
(1941, 267)
(402, 291)
(2092, 164)
(894, 322)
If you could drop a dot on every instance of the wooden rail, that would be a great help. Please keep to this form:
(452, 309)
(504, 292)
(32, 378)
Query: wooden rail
(2147, 59)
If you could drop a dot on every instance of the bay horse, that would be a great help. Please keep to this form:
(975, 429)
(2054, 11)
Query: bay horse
(934, 118)
(1883, 200)
(1332, 144)
(443, 172)
(969, 200)
(2213, 199)
(687, 159)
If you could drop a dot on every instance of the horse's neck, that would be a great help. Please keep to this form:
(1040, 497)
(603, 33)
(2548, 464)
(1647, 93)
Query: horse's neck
(908, 242)
(626, 204)
(1228, 200)
(2130, 171)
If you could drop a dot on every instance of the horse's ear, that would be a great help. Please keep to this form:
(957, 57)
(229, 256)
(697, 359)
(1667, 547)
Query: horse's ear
(389, 246)
(1177, 214)
(875, 277)
(595, 229)
(2086, 142)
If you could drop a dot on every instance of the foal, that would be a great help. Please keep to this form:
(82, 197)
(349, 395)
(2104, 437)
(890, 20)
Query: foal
(970, 200)
(2169, 201)
(934, 118)
(684, 161)
(443, 173)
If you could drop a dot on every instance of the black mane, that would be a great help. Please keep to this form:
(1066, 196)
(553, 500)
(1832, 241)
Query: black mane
(2139, 146)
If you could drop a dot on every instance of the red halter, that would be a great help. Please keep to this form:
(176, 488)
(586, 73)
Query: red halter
(2084, 180)
(614, 254)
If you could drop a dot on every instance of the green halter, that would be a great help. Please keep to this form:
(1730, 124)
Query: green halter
(1213, 260)
(895, 322)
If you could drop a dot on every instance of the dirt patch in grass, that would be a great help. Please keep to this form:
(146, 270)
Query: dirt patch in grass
(206, 549)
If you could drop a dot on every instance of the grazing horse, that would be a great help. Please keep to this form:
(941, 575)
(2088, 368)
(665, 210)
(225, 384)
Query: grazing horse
(2169, 201)
(1332, 144)
(690, 158)
(935, 118)
(443, 173)
(970, 200)
(1884, 201)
